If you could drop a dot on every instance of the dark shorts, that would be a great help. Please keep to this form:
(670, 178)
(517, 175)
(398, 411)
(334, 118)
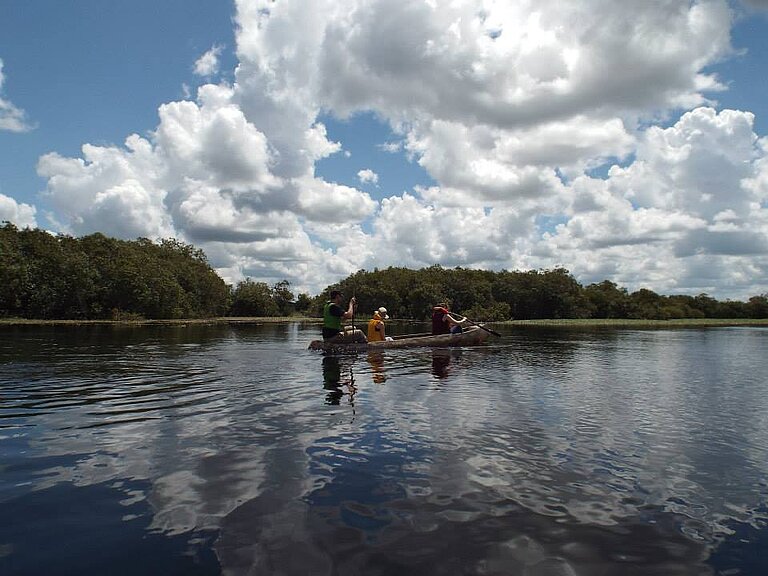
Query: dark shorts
(329, 333)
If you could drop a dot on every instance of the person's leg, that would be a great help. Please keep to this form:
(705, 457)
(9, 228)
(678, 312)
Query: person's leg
(350, 337)
(358, 336)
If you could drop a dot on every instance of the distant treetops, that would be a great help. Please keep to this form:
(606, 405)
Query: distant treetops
(96, 277)
(484, 295)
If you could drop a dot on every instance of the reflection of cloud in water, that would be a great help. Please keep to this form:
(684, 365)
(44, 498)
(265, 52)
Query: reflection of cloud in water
(170, 420)
(364, 514)
(594, 441)
(599, 455)
(203, 458)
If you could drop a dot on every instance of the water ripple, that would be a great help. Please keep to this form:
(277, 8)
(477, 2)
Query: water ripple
(615, 452)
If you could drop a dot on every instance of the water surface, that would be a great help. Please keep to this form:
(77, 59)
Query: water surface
(234, 449)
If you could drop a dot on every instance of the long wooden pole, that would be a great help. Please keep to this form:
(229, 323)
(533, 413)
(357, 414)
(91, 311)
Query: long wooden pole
(478, 325)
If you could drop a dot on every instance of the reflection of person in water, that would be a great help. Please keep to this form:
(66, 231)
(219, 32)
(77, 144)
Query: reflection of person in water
(376, 360)
(441, 361)
(333, 381)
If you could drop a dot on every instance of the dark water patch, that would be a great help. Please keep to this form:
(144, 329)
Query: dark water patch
(745, 548)
(96, 529)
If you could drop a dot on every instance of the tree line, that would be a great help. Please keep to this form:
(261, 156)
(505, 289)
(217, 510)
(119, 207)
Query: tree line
(96, 277)
(484, 295)
(47, 276)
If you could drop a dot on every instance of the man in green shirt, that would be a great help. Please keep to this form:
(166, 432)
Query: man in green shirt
(333, 317)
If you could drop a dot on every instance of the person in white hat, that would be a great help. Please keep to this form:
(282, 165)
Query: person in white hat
(376, 329)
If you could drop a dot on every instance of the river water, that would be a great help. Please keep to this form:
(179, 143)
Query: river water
(234, 449)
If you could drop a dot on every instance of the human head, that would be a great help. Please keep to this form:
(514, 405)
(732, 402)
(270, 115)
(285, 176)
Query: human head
(336, 294)
(383, 313)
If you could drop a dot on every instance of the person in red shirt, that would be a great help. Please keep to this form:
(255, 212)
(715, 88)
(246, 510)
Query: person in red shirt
(443, 322)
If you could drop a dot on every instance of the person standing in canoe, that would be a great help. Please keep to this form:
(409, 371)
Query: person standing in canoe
(334, 315)
(376, 329)
(443, 322)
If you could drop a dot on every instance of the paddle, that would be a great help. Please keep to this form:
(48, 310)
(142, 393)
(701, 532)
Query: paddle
(478, 325)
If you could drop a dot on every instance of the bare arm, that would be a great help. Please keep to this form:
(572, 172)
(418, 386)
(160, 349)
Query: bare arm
(456, 320)
(351, 309)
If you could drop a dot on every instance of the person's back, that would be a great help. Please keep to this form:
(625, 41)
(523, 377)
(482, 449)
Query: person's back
(332, 317)
(440, 324)
(376, 325)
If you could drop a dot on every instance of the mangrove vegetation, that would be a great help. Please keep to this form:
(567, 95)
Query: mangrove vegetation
(94, 277)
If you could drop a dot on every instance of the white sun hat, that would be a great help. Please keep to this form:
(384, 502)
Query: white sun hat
(383, 313)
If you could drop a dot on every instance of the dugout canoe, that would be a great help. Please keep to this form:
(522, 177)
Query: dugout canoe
(472, 336)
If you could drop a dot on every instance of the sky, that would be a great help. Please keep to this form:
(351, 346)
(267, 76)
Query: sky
(621, 140)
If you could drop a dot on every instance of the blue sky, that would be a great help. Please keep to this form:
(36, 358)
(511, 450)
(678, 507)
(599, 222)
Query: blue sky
(315, 140)
(92, 71)
(745, 74)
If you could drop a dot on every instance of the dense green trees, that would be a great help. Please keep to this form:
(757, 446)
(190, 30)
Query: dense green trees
(480, 294)
(46, 276)
(93, 277)
(535, 294)
(253, 299)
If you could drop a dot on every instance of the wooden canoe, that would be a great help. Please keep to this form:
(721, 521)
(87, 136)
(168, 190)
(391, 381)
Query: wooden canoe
(472, 336)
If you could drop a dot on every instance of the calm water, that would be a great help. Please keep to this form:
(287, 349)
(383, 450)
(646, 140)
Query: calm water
(206, 450)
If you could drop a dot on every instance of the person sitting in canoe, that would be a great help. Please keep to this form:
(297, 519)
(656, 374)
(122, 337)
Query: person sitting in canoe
(334, 315)
(443, 322)
(376, 329)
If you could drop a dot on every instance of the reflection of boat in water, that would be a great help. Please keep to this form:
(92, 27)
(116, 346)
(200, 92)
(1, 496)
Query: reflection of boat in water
(472, 336)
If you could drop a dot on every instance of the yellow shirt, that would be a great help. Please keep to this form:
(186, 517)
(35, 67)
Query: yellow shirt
(375, 329)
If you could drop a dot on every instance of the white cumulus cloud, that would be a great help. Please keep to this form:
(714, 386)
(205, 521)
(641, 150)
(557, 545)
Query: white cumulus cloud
(694, 192)
(511, 108)
(18, 213)
(12, 118)
(208, 64)
(368, 176)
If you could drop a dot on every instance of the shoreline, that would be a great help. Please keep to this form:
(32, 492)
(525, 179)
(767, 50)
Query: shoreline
(635, 323)
(156, 322)
(543, 323)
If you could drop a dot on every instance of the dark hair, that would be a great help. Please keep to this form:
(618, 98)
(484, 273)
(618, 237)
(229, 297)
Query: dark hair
(335, 293)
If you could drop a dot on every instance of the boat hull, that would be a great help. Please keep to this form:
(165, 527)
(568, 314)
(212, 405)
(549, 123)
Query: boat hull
(473, 336)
